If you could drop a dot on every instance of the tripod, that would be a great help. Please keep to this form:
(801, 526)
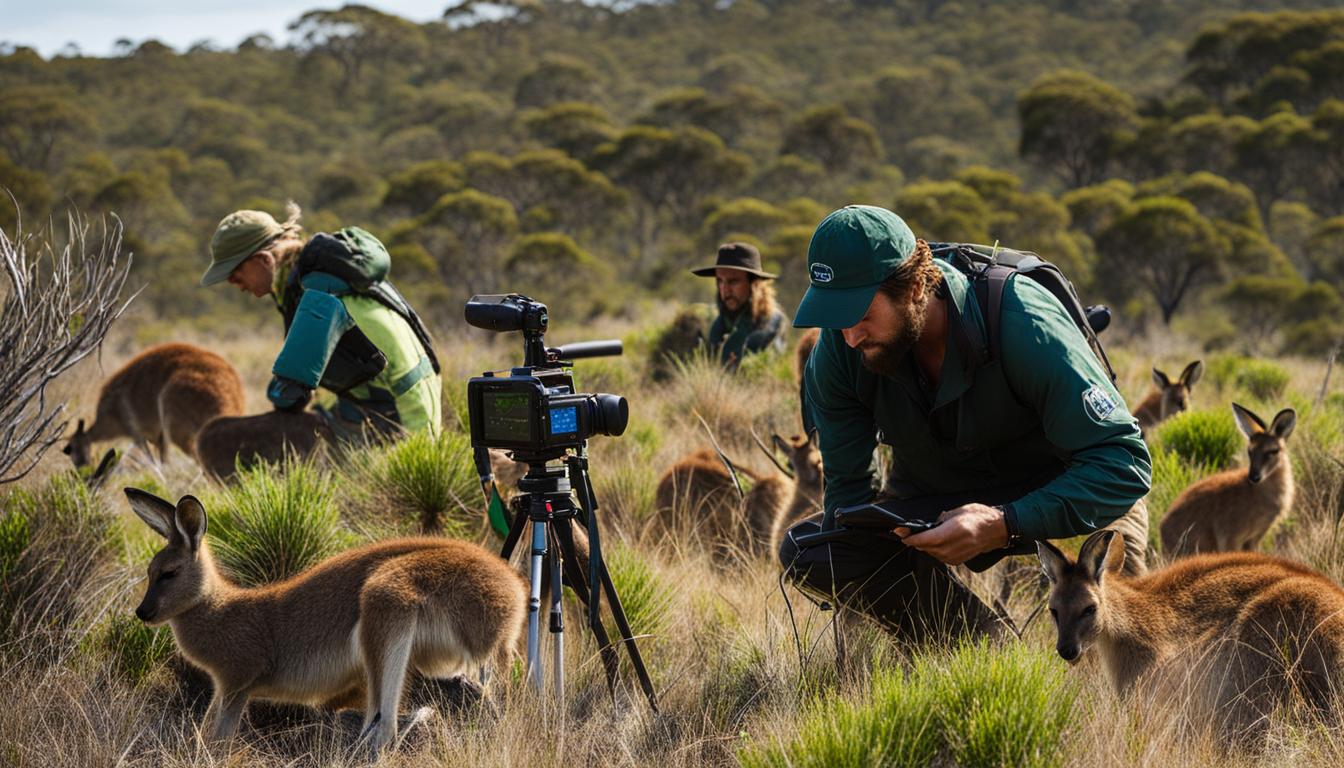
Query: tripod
(547, 501)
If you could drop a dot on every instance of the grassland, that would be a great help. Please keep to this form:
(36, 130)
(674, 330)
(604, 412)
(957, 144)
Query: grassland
(84, 684)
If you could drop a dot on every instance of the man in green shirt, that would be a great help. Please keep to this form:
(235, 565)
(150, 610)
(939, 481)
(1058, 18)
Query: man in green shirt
(347, 329)
(750, 319)
(1042, 429)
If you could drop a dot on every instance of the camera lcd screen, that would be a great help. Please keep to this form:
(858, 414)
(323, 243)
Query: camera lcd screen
(507, 416)
(564, 421)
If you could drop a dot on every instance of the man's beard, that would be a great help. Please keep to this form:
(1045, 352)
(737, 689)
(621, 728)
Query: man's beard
(885, 358)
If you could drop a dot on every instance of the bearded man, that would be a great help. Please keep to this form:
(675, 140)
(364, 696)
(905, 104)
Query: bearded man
(893, 364)
(750, 319)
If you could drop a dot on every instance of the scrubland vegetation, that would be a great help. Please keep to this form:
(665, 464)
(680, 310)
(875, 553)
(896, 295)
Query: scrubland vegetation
(1181, 163)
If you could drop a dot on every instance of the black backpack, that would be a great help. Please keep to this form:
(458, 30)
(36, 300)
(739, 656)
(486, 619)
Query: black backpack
(989, 268)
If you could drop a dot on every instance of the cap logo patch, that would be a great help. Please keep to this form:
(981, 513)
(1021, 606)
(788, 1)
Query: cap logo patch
(1098, 403)
(822, 273)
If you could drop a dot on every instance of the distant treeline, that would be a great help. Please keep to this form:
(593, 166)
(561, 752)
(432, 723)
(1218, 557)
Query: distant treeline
(1183, 163)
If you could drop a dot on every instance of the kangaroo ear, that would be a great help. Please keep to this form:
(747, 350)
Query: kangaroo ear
(79, 430)
(156, 512)
(1053, 562)
(1283, 423)
(1102, 553)
(1192, 373)
(1160, 379)
(189, 520)
(781, 443)
(1250, 424)
(812, 436)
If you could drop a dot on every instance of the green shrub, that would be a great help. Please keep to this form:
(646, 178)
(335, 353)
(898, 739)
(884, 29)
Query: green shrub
(275, 521)
(1260, 379)
(1202, 438)
(134, 649)
(435, 477)
(15, 535)
(767, 365)
(978, 705)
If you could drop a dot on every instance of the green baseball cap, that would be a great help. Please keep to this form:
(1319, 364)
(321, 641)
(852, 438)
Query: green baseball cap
(239, 235)
(853, 250)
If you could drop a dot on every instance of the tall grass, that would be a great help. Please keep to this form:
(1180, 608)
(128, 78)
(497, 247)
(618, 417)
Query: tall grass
(275, 521)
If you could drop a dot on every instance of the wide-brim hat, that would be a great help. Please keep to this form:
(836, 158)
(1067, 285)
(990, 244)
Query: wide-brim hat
(740, 256)
(238, 236)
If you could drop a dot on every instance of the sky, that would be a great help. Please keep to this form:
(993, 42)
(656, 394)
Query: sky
(94, 25)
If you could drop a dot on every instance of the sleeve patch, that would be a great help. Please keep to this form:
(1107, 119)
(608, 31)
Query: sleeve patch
(1098, 404)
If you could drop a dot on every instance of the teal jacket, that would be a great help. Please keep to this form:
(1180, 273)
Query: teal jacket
(1046, 408)
(736, 336)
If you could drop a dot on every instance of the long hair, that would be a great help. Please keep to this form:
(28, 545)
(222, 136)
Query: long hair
(287, 244)
(763, 301)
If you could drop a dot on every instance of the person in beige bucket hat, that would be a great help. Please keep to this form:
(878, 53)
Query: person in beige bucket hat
(347, 328)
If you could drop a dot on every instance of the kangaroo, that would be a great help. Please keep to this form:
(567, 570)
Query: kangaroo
(355, 621)
(1232, 510)
(1248, 631)
(697, 493)
(776, 503)
(803, 352)
(227, 442)
(1168, 399)
(163, 395)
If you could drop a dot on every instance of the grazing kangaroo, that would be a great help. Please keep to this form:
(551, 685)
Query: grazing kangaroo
(697, 494)
(353, 622)
(163, 395)
(1168, 399)
(229, 441)
(1238, 633)
(1232, 510)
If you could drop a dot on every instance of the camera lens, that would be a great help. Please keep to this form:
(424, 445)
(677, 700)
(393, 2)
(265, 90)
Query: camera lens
(609, 414)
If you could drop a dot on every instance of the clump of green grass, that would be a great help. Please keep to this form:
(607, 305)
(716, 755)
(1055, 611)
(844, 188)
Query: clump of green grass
(645, 596)
(275, 521)
(626, 489)
(1000, 706)
(435, 477)
(1202, 438)
(134, 650)
(53, 540)
(975, 706)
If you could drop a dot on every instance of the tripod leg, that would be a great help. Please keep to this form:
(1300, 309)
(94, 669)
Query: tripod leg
(515, 532)
(627, 637)
(557, 558)
(578, 581)
(534, 603)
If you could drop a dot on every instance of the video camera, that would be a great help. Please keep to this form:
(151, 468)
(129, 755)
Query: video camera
(534, 410)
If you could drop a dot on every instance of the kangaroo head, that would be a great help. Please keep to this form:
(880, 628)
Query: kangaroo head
(1265, 442)
(804, 457)
(1176, 395)
(78, 446)
(1077, 600)
(180, 573)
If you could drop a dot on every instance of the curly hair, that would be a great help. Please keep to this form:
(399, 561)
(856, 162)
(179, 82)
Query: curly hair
(918, 267)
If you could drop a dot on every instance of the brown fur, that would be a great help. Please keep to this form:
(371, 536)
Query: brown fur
(230, 441)
(163, 395)
(696, 497)
(1238, 633)
(359, 619)
(803, 352)
(1232, 510)
(1169, 398)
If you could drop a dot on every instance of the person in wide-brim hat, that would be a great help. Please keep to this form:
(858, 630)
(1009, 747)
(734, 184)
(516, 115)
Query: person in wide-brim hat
(750, 319)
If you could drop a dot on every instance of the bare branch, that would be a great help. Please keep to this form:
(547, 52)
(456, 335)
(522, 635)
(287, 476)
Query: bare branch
(58, 305)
